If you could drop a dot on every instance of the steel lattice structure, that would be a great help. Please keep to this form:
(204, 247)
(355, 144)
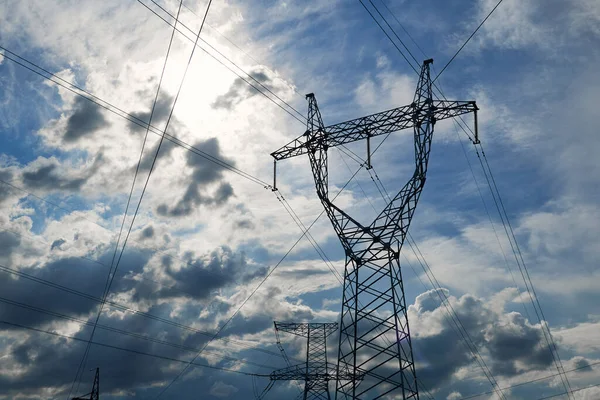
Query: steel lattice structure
(95, 393)
(315, 372)
(375, 356)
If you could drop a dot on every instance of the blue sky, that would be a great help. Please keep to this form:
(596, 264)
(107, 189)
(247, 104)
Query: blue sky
(205, 237)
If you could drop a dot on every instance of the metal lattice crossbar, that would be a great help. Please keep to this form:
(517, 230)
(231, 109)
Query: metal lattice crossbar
(375, 356)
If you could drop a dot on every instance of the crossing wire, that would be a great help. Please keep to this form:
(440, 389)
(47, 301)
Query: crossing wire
(31, 66)
(223, 326)
(467, 41)
(133, 311)
(301, 119)
(111, 275)
(123, 332)
(531, 381)
(110, 346)
(245, 52)
(143, 246)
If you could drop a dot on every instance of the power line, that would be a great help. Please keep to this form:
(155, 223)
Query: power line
(123, 114)
(243, 51)
(164, 252)
(124, 332)
(133, 311)
(531, 381)
(388, 36)
(111, 275)
(159, 144)
(129, 350)
(523, 268)
(569, 392)
(467, 41)
(223, 64)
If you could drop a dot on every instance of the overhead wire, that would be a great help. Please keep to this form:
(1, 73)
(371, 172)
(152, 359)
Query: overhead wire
(256, 81)
(35, 68)
(123, 332)
(523, 268)
(487, 211)
(467, 41)
(124, 308)
(111, 275)
(292, 87)
(165, 252)
(138, 352)
(162, 137)
(473, 396)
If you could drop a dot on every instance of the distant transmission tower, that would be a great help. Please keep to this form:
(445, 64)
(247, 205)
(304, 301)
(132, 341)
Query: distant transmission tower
(95, 393)
(315, 372)
(375, 350)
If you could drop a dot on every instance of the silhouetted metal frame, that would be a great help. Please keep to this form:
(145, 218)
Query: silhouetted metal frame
(375, 356)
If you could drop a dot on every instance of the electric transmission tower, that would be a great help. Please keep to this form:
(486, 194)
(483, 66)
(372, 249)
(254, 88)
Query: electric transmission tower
(95, 393)
(375, 356)
(316, 373)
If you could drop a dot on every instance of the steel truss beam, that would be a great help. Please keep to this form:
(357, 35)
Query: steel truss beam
(375, 355)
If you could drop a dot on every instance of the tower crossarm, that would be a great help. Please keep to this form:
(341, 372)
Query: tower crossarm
(298, 373)
(373, 125)
(302, 329)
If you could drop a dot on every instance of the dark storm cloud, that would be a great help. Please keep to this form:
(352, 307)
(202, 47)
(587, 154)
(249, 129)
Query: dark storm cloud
(47, 174)
(8, 242)
(204, 173)
(240, 90)
(85, 120)
(160, 114)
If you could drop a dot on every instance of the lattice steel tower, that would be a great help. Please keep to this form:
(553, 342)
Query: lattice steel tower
(95, 393)
(375, 338)
(315, 372)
